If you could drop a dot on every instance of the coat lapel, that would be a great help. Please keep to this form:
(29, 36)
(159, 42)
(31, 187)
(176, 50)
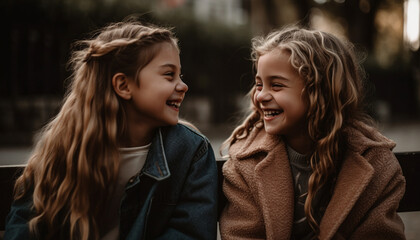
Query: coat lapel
(273, 182)
(275, 193)
(352, 180)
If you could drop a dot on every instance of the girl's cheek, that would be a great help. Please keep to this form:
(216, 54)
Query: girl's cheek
(254, 98)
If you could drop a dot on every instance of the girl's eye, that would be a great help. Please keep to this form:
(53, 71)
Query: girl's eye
(171, 74)
(181, 76)
(258, 86)
(277, 85)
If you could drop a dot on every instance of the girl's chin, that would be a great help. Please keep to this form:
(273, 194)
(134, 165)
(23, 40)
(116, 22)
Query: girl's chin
(271, 130)
(173, 121)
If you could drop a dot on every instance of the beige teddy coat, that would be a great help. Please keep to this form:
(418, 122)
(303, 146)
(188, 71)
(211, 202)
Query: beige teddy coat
(259, 189)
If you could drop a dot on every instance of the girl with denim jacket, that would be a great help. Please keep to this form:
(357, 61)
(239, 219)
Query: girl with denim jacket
(307, 163)
(115, 163)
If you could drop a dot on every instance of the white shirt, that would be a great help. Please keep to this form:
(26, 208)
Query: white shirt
(131, 162)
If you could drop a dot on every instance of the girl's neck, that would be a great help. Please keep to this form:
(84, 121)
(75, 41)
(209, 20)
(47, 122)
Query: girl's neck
(137, 136)
(301, 143)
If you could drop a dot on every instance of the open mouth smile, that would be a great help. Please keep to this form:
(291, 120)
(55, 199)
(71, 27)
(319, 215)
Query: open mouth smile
(271, 113)
(174, 104)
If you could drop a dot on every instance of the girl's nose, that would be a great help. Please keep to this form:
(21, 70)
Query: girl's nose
(263, 96)
(181, 87)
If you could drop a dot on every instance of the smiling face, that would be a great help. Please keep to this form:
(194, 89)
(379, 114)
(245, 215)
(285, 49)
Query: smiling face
(279, 93)
(157, 95)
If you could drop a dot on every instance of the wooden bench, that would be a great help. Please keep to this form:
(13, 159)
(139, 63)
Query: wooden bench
(8, 176)
(409, 161)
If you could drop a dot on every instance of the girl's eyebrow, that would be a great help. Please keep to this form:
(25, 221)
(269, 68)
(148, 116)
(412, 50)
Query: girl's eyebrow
(278, 77)
(273, 77)
(170, 65)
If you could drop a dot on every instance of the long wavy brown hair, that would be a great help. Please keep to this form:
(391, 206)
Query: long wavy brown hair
(334, 85)
(75, 160)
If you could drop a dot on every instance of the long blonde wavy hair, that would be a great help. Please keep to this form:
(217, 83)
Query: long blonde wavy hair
(334, 85)
(75, 160)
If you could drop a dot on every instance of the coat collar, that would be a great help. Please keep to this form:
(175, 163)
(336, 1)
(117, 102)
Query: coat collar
(274, 184)
(257, 141)
(156, 165)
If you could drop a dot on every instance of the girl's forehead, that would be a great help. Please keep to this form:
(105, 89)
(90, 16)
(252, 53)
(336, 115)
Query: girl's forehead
(166, 55)
(276, 53)
(276, 50)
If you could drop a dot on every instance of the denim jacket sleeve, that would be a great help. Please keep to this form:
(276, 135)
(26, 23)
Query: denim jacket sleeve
(17, 227)
(195, 216)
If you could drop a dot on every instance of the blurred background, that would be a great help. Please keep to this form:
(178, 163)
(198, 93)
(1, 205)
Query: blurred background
(215, 46)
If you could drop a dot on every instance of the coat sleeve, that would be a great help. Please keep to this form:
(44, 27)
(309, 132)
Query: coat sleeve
(241, 217)
(195, 215)
(381, 220)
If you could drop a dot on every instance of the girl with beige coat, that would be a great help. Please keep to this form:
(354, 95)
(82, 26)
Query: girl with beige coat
(307, 163)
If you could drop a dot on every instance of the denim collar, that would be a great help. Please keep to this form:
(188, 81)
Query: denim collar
(156, 165)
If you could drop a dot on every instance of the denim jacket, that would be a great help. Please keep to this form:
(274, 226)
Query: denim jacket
(174, 196)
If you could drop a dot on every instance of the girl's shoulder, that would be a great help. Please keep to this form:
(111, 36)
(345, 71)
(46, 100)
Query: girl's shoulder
(185, 134)
(181, 140)
(189, 125)
(367, 143)
(361, 137)
(190, 129)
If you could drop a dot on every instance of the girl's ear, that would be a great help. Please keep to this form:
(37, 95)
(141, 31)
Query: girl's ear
(120, 85)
